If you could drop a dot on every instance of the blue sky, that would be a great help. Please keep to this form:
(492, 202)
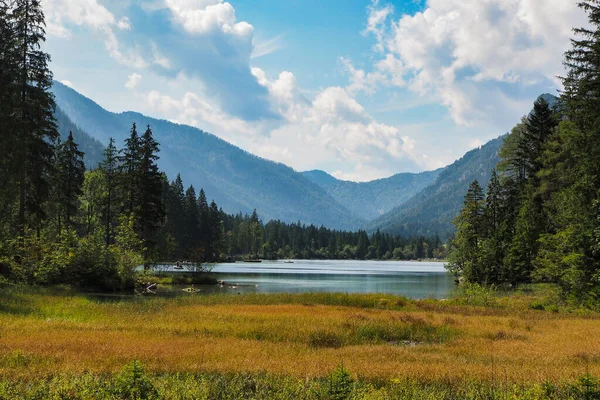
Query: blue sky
(360, 89)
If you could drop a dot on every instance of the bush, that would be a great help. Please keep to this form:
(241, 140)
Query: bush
(341, 384)
(474, 294)
(132, 383)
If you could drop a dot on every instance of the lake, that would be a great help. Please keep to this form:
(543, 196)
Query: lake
(411, 279)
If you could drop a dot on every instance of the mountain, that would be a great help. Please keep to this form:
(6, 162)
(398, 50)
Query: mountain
(433, 209)
(93, 149)
(370, 200)
(235, 179)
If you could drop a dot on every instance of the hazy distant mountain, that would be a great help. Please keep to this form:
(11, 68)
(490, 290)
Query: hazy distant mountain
(93, 149)
(236, 179)
(369, 200)
(433, 209)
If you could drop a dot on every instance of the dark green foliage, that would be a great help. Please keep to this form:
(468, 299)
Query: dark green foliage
(32, 121)
(149, 209)
(110, 168)
(70, 171)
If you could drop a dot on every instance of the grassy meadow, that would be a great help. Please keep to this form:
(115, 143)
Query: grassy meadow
(477, 345)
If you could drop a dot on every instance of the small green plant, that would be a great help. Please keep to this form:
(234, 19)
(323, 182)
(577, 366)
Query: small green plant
(341, 384)
(133, 383)
(586, 388)
(474, 294)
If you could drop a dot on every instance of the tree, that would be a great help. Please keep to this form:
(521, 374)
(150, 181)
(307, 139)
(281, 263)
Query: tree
(150, 209)
(205, 234)
(191, 224)
(34, 125)
(70, 170)
(464, 259)
(130, 168)
(110, 168)
(8, 96)
(93, 200)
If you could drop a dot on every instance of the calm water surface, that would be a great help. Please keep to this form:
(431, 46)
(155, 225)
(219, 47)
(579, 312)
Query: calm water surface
(411, 279)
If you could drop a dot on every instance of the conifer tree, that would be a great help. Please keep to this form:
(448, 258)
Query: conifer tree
(110, 168)
(205, 234)
(70, 170)
(34, 127)
(150, 209)
(191, 225)
(130, 169)
(464, 259)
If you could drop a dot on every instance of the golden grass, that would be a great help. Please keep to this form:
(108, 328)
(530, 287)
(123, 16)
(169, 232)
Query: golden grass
(377, 337)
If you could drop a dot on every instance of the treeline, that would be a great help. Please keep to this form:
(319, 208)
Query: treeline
(197, 231)
(540, 218)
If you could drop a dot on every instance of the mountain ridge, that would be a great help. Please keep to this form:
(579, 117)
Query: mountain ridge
(236, 179)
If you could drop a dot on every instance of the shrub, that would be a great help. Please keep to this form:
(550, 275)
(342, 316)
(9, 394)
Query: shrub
(132, 383)
(341, 384)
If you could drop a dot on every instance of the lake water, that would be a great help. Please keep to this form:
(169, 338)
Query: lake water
(411, 279)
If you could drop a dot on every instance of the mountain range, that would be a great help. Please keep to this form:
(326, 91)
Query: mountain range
(406, 203)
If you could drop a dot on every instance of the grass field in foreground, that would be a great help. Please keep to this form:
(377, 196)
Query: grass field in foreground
(45, 333)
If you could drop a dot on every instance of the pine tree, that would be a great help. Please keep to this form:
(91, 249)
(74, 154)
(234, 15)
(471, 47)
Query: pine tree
(216, 246)
(191, 225)
(175, 216)
(110, 168)
(539, 126)
(71, 174)
(34, 127)
(8, 96)
(464, 259)
(150, 209)
(205, 234)
(130, 161)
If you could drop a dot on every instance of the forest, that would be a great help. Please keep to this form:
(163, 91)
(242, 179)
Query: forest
(64, 224)
(539, 220)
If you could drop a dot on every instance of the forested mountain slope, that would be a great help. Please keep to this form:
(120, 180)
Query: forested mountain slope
(93, 149)
(433, 209)
(372, 199)
(236, 179)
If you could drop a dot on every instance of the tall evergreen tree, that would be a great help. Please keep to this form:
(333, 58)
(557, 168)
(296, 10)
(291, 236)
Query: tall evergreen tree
(205, 234)
(70, 170)
(130, 161)
(191, 222)
(35, 129)
(150, 209)
(110, 168)
(464, 259)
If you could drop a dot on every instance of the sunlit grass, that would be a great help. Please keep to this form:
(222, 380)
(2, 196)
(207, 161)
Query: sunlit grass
(380, 337)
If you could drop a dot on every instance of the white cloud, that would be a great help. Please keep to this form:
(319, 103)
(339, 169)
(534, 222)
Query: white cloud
(466, 52)
(261, 49)
(192, 110)
(62, 13)
(67, 83)
(124, 24)
(133, 81)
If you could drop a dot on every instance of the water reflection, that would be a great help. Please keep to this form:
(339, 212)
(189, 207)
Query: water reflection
(411, 279)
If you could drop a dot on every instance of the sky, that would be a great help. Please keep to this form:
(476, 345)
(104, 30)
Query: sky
(362, 89)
